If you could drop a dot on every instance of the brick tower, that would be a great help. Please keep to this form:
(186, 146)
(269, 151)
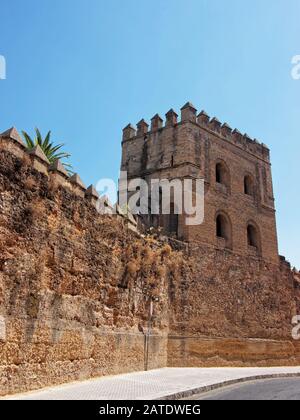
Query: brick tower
(239, 203)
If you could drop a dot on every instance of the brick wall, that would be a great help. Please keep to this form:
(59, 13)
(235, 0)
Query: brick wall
(192, 148)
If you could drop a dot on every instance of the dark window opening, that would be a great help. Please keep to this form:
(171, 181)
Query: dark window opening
(172, 161)
(252, 236)
(221, 223)
(223, 229)
(218, 173)
(248, 185)
(222, 175)
(154, 220)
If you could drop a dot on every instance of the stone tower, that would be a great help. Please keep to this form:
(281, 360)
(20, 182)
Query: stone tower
(239, 203)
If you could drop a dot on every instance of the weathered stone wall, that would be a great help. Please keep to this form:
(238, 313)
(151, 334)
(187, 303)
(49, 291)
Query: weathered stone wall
(74, 285)
(227, 309)
(221, 352)
(75, 288)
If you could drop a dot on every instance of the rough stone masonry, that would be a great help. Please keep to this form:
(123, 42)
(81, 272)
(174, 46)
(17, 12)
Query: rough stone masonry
(236, 289)
(76, 286)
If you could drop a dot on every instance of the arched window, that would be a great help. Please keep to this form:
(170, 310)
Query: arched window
(248, 185)
(253, 236)
(223, 229)
(222, 174)
(220, 227)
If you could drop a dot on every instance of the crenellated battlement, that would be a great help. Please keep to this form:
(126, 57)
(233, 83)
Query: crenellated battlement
(204, 121)
(236, 170)
(57, 175)
(11, 141)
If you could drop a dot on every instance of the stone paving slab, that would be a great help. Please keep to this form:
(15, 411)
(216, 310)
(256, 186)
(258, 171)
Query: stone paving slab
(157, 384)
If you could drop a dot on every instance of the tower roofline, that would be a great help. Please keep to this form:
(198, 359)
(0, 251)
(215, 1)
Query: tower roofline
(203, 120)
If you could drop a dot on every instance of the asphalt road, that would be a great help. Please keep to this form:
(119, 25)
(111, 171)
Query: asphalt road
(272, 389)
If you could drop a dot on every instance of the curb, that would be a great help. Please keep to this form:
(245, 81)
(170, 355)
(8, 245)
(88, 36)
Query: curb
(204, 389)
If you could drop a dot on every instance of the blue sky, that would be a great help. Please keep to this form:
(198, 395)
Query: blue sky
(84, 69)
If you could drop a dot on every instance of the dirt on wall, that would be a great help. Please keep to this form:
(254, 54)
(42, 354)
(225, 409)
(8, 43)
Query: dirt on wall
(75, 288)
(229, 310)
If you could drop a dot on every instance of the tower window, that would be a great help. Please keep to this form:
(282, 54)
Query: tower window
(218, 173)
(248, 185)
(253, 236)
(221, 224)
(222, 174)
(223, 229)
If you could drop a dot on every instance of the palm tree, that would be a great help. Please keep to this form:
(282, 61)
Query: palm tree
(52, 152)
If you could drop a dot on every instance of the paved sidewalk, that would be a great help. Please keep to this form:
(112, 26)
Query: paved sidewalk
(152, 385)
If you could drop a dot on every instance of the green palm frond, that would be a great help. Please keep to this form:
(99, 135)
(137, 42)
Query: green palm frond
(54, 149)
(61, 155)
(53, 152)
(47, 140)
(39, 137)
(28, 140)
